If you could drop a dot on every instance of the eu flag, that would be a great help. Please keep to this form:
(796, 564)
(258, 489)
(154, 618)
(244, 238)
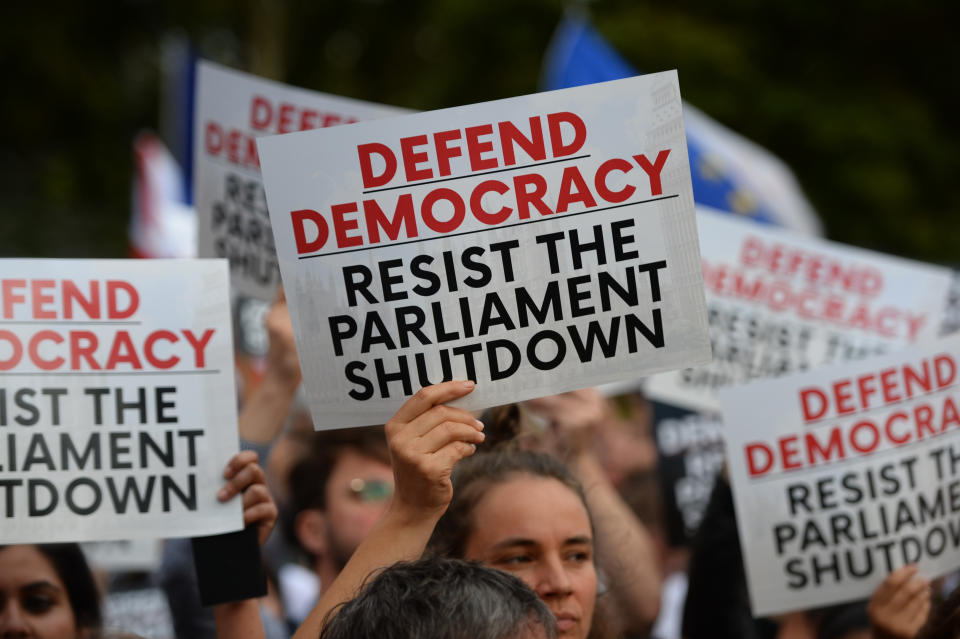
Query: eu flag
(729, 172)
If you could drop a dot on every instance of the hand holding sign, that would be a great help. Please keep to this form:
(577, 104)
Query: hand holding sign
(853, 488)
(535, 245)
(426, 440)
(899, 607)
(117, 407)
(244, 475)
(229, 568)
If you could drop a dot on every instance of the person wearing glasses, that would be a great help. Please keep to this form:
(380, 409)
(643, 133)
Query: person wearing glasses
(337, 493)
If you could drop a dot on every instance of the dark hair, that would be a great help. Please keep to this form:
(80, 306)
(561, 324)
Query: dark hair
(501, 462)
(838, 621)
(944, 621)
(308, 478)
(473, 476)
(71, 566)
(440, 599)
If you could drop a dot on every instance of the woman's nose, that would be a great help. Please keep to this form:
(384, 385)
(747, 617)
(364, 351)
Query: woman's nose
(552, 579)
(13, 623)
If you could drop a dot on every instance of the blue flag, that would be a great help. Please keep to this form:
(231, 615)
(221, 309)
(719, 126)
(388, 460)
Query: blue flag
(729, 173)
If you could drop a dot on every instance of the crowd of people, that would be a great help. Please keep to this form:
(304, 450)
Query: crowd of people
(529, 521)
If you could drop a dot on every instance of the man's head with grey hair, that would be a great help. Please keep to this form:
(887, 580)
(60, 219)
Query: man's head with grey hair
(442, 599)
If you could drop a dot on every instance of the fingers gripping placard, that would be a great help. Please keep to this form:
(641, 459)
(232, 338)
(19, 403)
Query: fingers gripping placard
(117, 407)
(535, 245)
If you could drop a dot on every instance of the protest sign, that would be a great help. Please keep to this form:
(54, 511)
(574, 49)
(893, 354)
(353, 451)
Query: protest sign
(117, 408)
(126, 555)
(689, 456)
(137, 612)
(535, 245)
(779, 302)
(951, 318)
(231, 110)
(843, 475)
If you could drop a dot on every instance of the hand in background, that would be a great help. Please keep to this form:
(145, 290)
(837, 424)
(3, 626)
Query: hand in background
(573, 418)
(265, 410)
(900, 605)
(282, 361)
(244, 476)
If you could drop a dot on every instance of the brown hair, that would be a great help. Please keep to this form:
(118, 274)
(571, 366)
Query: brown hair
(944, 621)
(473, 476)
(308, 477)
(71, 566)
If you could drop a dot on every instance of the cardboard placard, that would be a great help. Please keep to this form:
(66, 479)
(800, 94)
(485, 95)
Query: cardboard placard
(125, 555)
(843, 475)
(232, 109)
(689, 456)
(779, 302)
(117, 407)
(536, 245)
(951, 317)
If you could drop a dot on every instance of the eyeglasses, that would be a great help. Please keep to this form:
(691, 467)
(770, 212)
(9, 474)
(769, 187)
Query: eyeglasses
(370, 489)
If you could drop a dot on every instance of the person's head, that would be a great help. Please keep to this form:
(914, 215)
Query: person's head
(524, 513)
(944, 621)
(47, 592)
(338, 492)
(442, 599)
(843, 621)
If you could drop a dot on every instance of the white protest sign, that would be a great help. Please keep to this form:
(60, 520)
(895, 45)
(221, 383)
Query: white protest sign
(126, 555)
(231, 110)
(843, 475)
(117, 407)
(780, 302)
(535, 245)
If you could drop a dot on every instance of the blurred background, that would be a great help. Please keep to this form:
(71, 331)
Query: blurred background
(858, 98)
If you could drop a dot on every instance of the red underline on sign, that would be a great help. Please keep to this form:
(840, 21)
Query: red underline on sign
(839, 462)
(205, 371)
(76, 322)
(876, 408)
(470, 175)
(492, 228)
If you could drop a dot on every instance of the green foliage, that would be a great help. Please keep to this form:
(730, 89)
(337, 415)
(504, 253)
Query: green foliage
(858, 98)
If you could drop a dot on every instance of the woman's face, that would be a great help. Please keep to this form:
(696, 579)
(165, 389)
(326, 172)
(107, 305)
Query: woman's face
(33, 600)
(539, 530)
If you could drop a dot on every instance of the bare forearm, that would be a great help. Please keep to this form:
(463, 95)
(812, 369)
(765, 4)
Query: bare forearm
(238, 620)
(625, 550)
(396, 537)
(265, 412)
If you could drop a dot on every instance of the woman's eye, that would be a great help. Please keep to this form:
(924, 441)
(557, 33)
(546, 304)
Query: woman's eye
(37, 604)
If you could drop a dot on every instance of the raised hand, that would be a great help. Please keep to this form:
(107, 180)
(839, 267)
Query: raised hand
(244, 476)
(574, 418)
(282, 361)
(900, 605)
(426, 440)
